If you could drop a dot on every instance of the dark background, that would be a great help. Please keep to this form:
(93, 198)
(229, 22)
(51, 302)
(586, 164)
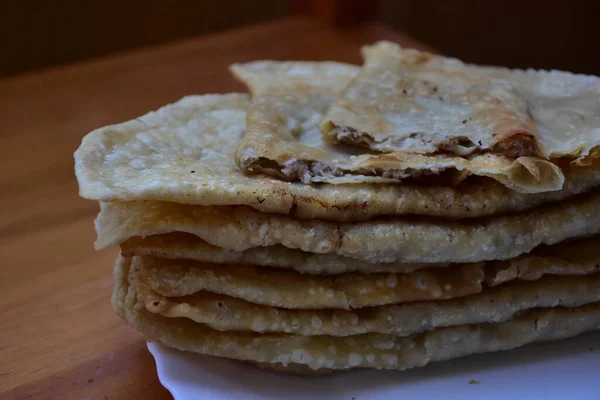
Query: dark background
(540, 34)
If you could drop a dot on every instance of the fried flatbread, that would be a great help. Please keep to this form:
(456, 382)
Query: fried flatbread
(225, 313)
(184, 153)
(409, 100)
(180, 245)
(385, 240)
(282, 137)
(371, 350)
(290, 289)
(572, 257)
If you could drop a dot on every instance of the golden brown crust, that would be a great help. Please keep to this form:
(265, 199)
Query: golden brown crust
(359, 351)
(385, 240)
(140, 160)
(178, 245)
(282, 138)
(572, 257)
(500, 304)
(290, 289)
(404, 99)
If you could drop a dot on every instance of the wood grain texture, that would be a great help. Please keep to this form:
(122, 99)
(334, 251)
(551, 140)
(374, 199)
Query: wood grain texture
(59, 338)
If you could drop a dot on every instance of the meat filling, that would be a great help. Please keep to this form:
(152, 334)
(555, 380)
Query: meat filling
(305, 171)
(515, 146)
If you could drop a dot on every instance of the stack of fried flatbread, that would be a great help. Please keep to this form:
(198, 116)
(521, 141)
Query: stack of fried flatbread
(412, 210)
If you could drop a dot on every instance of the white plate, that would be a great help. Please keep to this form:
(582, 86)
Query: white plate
(561, 370)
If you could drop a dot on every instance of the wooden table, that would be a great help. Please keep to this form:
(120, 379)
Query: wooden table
(59, 338)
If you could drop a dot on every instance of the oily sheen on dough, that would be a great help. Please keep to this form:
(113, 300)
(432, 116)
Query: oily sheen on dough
(282, 137)
(409, 100)
(386, 240)
(370, 350)
(225, 313)
(572, 257)
(184, 153)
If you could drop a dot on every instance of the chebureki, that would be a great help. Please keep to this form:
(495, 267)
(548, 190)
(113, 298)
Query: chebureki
(282, 138)
(184, 153)
(371, 350)
(408, 100)
(572, 257)
(412, 210)
(227, 313)
(376, 241)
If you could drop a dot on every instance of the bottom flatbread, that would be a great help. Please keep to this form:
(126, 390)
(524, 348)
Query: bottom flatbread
(361, 351)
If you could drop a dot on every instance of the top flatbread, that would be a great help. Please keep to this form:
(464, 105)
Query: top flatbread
(414, 101)
(183, 153)
(282, 138)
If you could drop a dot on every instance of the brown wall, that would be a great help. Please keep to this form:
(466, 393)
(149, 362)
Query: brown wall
(40, 33)
(525, 33)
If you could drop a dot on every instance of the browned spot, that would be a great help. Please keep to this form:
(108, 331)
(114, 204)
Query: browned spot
(459, 141)
(518, 145)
